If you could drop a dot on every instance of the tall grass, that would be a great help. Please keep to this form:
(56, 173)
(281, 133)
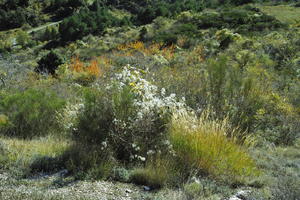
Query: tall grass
(202, 143)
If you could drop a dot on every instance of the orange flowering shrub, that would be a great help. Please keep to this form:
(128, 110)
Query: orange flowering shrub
(76, 65)
(196, 56)
(168, 52)
(153, 49)
(92, 69)
(137, 45)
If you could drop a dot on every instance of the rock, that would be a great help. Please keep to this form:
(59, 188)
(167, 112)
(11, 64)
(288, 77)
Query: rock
(243, 194)
(234, 198)
(146, 188)
(63, 172)
(128, 191)
(195, 180)
(240, 195)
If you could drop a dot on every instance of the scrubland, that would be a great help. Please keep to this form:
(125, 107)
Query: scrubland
(165, 101)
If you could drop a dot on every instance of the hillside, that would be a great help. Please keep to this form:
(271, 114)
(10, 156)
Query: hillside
(156, 99)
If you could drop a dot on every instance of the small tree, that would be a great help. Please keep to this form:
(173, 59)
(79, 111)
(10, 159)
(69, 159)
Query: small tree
(49, 63)
(22, 38)
(51, 33)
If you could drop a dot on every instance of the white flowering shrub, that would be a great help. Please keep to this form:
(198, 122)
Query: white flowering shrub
(68, 116)
(148, 98)
(152, 111)
(128, 116)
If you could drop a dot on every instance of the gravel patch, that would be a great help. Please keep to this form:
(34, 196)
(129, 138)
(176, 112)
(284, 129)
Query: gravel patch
(46, 188)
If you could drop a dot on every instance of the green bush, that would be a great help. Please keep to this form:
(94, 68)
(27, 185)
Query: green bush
(111, 118)
(16, 16)
(166, 38)
(51, 33)
(5, 46)
(106, 119)
(157, 172)
(120, 174)
(86, 22)
(243, 20)
(46, 164)
(95, 123)
(97, 142)
(22, 38)
(89, 161)
(31, 113)
(189, 30)
(14, 4)
(49, 63)
(64, 8)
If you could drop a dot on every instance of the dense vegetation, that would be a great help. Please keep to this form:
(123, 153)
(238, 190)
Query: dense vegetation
(201, 97)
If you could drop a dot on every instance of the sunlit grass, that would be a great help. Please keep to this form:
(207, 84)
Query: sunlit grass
(203, 143)
(22, 151)
(157, 172)
(284, 13)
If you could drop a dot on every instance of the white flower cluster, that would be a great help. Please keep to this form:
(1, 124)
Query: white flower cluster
(68, 116)
(149, 99)
(150, 102)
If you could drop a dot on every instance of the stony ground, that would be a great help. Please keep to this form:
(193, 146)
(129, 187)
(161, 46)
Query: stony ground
(56, 187)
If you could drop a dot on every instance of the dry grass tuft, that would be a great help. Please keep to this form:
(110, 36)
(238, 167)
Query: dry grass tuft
(203, 143)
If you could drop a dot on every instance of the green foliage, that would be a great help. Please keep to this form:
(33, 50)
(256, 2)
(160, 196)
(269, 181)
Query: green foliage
(240, 85)
(5, 45)
(3, 121)
(147, 11)
(229, 60)
(45, 164)
(242, 20)
(89, 161)
(96, 121)
(22, 38)
(51, 33)
(17, 14)
(189, 30)
(166, 38)
(31, 113)
(86, 22)
(157, 173)
(168, 33)
(12, 19)
(193, 190)
(14, 4)
(64, 8)
(120, 174)
(49, 63)
(297, 5)
(109, 119)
